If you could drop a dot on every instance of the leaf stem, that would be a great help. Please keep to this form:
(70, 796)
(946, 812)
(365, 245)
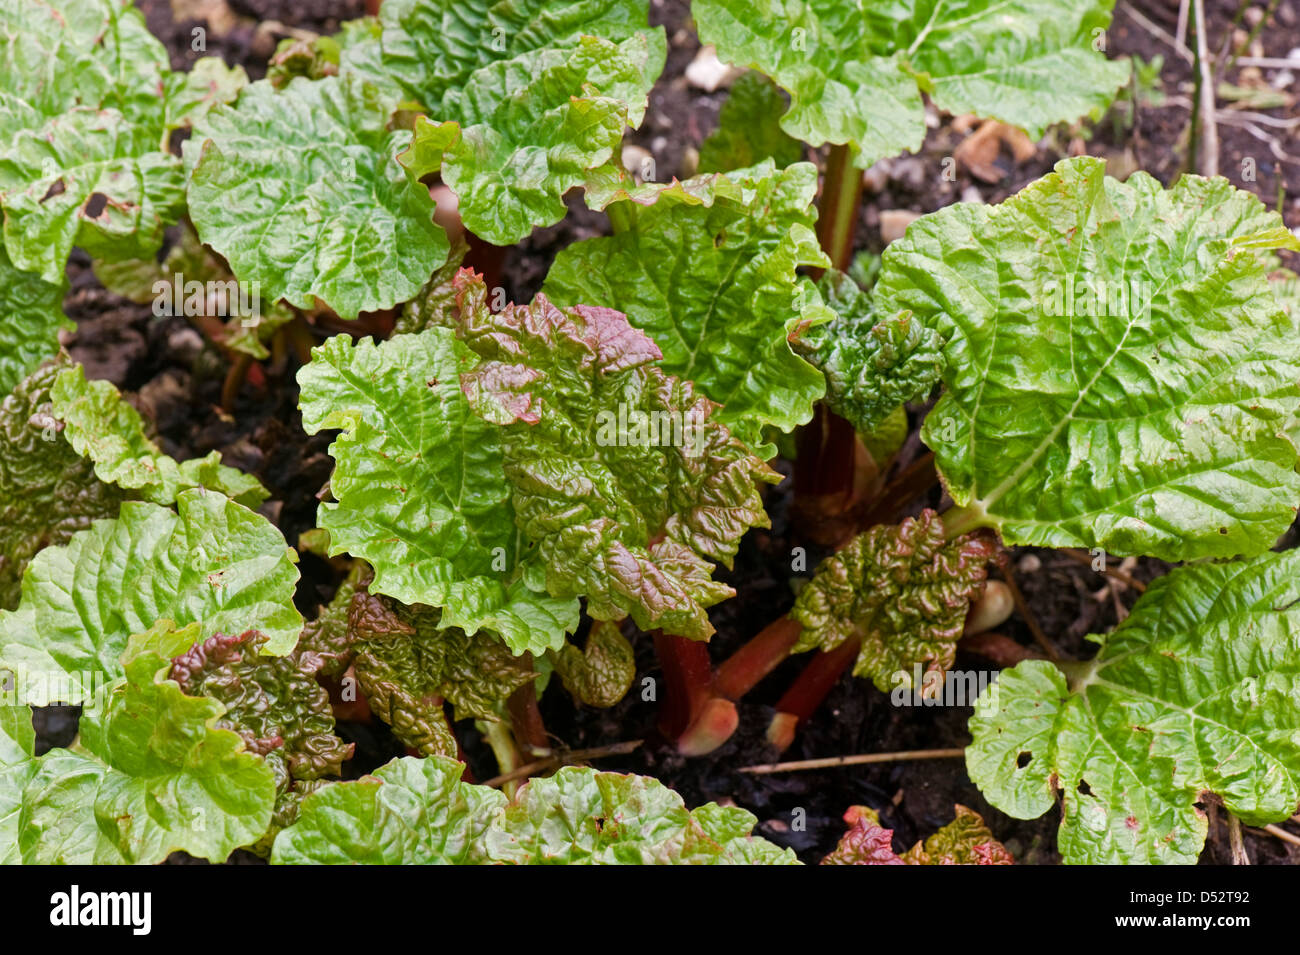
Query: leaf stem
(841, 200)
(808, 690)
(762, 654)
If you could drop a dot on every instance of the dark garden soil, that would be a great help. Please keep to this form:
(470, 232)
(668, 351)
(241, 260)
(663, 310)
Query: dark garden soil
(176, 380)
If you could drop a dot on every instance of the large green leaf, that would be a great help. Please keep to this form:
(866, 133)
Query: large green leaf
(48, 492)
(419, 811)
(1119, 373)
(148, 776)
(523, 97)
(419, 489)
(101, 426)
(709, 271)
(619, 472)
(301, 192)
(411, 811)
(87, 105)
(1197, 691)
(903, 591)
(31, 317)
(855, 72)
(211, 562)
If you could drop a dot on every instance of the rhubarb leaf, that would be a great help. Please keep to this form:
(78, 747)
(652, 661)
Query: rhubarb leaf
(404, 653)
(48, 492)
(418, 811)
(523, 98)
(1197, 690)
(903, 591)
(31, 317)
(83, 151)
(855, 72)
(17, 751)
(101, 426)
(600, 673)
(873, 363)
(709, 271)
(1119, 373)
(619, 473)
(273, 702)
(964, 841)
(411, 811)
(749, 129)
(301, 192)
(149, 775)
(419, 487)
(584, 817)
(211, 562)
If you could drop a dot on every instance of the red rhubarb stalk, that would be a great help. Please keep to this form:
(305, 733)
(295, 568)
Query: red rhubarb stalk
(808, 690)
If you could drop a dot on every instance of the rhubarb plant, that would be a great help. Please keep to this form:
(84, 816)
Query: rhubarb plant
(855, 73)
(535, 480)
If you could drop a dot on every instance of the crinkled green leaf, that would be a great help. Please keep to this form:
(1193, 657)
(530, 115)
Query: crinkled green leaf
(855, 72)
(873, 363)
(903, 591)
(212, 562)
(411, 811)
(1119, 374)
(601, 672)
(749, 128)
(88, 178)
(31, 317)
(83, 125)
(436, 303)
(301, 192)
(1198, 690)
(619, 473)
(419, 811)
(273, 702)
(48, 492)
(149, 775)
(419, 488)
(410, 646)
(584, 817)
(523, 98)
(101, 426)
(190, 96)
(711, 276)
(964, 841)
(17, 749)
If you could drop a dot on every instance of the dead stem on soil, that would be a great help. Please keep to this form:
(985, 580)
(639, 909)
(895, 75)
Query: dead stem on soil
(1282, 834)
(861, 759)
(1028, 617)
(564, 759)
(1235, 842)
